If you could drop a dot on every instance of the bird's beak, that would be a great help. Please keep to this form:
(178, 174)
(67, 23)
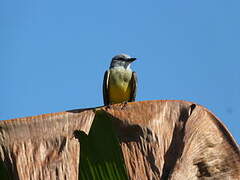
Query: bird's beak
(131, 59)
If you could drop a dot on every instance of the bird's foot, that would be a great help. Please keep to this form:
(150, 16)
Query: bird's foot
(108, 106)
(124, 105)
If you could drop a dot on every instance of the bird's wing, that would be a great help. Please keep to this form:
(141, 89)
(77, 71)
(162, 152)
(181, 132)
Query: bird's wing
(105, 88)
(134, 84)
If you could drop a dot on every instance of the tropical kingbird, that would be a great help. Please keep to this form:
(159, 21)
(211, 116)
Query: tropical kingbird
(120, 82)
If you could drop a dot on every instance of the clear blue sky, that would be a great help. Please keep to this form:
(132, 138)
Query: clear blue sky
(53, 53)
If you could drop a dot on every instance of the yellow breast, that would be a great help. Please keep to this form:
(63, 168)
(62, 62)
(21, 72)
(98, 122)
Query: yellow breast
(119, 85)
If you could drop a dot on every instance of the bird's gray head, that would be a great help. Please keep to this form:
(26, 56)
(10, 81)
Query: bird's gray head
(122, 60)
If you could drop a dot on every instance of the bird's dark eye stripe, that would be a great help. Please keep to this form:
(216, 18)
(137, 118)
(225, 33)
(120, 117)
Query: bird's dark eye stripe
(120, 58)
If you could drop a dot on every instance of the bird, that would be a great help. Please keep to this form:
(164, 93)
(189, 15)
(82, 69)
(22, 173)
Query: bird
(120, 81)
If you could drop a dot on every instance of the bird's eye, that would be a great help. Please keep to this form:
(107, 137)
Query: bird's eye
(121, 59)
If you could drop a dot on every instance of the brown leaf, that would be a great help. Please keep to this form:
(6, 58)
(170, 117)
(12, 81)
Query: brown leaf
(159, 140)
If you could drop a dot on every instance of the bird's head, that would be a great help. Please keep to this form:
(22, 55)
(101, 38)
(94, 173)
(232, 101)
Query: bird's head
(122, 60)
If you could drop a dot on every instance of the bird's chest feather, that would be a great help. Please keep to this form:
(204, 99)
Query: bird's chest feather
(119, 85)
(120, 78)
